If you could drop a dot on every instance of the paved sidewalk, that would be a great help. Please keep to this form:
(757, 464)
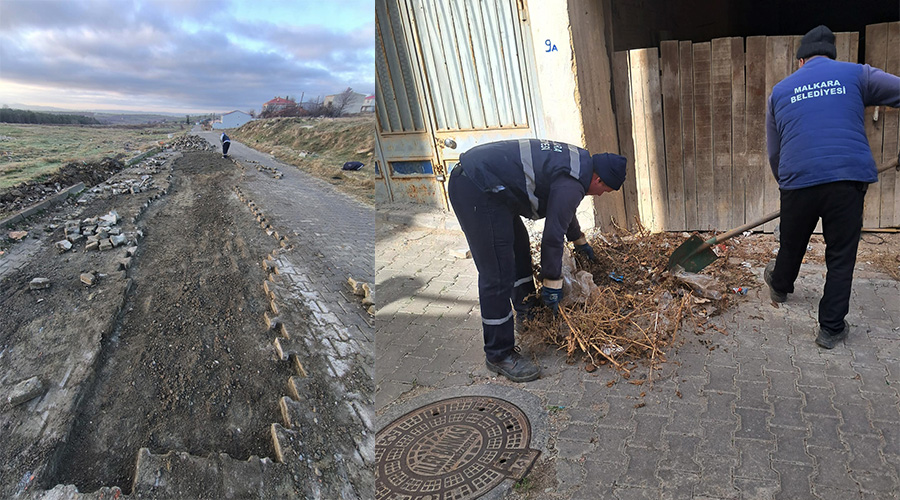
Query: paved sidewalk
(759, 413)
(333, 231)
(329, 237)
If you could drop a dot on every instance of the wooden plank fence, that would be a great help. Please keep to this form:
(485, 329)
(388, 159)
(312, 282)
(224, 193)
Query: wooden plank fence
(691, 120)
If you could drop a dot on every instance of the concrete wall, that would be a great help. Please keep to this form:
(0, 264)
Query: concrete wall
(591, 37)
(557, 82)
(570, 40)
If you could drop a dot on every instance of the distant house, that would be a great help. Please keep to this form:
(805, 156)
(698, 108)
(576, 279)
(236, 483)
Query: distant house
(277, 104)
(368, 105)
(232, 120)
(354, 103)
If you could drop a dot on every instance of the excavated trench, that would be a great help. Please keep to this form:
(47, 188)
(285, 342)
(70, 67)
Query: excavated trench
(189, 365)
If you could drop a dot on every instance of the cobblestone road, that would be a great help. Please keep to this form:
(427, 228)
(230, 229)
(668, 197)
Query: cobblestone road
(759, 413)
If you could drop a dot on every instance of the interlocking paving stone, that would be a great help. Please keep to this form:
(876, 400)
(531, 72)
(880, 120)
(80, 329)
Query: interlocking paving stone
(794, 480)
(817, 401)
(786, 412)
(642, 466)
(791, 445)
(680, 451)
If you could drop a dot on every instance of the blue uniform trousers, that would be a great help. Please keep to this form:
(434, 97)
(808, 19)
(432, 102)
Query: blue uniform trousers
(501, 250)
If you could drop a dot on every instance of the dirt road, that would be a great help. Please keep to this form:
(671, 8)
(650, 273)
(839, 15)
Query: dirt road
(168, 350)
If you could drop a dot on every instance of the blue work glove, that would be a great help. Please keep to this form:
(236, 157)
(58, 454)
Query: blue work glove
(587, 251)
(551, 297)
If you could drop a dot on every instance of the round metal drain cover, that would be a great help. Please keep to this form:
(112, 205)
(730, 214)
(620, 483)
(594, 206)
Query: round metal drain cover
(453, 449)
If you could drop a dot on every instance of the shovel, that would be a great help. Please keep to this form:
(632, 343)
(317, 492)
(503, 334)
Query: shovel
(695, 254)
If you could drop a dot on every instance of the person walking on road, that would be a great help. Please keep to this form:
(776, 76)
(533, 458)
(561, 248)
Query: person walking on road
(226, 143)
(492, 187)
(820, 156)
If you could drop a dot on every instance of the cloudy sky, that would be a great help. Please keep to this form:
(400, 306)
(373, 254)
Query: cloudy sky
(182, 56)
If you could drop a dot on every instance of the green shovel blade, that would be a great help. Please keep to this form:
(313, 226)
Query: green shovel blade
(693, 255)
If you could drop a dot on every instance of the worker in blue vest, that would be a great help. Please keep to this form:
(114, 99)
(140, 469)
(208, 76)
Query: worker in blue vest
(226, 143)
(493, 186)
(819, 153)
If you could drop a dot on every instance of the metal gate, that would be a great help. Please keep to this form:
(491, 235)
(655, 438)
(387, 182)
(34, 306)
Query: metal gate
(450, 75)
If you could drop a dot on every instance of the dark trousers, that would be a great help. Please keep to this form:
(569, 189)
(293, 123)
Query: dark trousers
(840, 206)
(225, 146)
(501, 250)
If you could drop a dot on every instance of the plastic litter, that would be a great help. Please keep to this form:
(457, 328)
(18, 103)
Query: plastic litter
(616, 277)
(746, 264)
(612, 349)
(577, 285)
(705, 286)
(739, 290)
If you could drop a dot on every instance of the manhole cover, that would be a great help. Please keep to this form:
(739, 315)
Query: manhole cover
(452, 449)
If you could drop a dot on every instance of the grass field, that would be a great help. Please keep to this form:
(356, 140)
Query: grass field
(30, 152)
(319, 146)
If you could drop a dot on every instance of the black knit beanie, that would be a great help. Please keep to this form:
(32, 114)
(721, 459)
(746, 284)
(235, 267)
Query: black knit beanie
(819, 41)
(610, 169)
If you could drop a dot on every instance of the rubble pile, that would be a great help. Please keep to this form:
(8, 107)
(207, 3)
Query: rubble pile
(97, 233)
(125, 186)
(190, 143)
(136, 179)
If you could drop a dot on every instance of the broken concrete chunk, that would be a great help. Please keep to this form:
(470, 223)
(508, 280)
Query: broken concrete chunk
(125, 263)
(130, 251)
(367, 300)
(112, 217)
(72, 227)
(461, 253)
(18, 235)
(25, 391)
(63, 245)
(117, 240)
(92, 245)
(355, 286)
(75, 237)
(88, 278)
(103, 233)
(105, 244)
(39, 283)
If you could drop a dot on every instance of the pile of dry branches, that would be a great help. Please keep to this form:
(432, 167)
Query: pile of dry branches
(638, 306)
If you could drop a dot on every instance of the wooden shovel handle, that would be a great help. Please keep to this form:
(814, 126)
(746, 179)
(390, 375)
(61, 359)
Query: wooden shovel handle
(895, 163)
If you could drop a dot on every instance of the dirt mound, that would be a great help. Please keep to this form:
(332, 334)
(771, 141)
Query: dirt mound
(26, 194)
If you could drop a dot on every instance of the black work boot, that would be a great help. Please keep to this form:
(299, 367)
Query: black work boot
(830, 340)
(776, 296)
(514, 367)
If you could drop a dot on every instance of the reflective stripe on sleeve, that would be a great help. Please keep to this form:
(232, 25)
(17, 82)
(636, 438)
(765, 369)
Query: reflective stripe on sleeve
(574, 163)
(528, 167)
(523, 281)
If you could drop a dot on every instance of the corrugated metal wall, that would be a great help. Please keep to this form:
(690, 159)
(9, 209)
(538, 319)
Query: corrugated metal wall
(471, 55)
(398, 107)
